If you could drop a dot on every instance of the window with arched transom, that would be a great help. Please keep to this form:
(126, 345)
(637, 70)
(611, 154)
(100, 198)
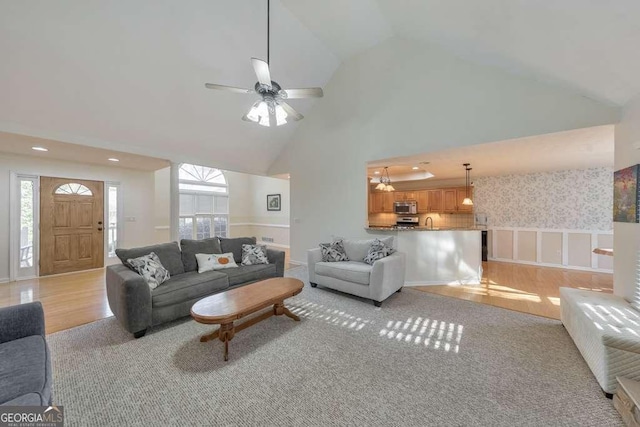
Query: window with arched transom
(204, 202)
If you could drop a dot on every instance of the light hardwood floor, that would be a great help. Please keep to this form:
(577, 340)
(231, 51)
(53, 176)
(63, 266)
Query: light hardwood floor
(68, 300)
(75, 299)
(525, 288)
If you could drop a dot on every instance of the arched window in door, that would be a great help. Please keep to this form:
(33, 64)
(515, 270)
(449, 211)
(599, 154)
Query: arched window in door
(204, 202)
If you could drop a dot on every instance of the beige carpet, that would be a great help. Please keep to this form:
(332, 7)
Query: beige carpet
(419, 360)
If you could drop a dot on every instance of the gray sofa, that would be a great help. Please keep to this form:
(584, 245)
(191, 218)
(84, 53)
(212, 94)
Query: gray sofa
(137, 307)
(25, 362)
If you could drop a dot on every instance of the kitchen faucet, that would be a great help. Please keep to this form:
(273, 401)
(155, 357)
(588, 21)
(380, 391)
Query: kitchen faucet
(426, 222)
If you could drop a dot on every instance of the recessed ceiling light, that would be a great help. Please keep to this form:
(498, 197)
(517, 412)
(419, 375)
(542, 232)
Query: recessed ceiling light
(113, 159)
(39, 149)
(415, 168)
(377, 172)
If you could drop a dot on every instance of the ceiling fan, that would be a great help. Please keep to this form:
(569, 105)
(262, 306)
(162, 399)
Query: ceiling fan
(271, 109)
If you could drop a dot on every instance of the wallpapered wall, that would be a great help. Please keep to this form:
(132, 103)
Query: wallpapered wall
(569, 199)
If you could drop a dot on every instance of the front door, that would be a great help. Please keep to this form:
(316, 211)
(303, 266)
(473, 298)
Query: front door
(71, 225)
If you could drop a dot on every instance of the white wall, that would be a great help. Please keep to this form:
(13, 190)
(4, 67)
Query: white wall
(248, 215)
(403, 98)
(626, 236)
(162, 205)
(137, 189)
(568, 199)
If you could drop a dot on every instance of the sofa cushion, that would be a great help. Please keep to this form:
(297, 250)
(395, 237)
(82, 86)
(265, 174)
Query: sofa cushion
(192, 247)
(357, 249)
(235, 245)
(250, 273)
(613, 313)
(25, 370)
(169, 254)
(349, 271)
(188, 286)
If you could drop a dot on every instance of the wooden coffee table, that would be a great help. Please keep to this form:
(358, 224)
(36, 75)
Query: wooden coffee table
(223, 308)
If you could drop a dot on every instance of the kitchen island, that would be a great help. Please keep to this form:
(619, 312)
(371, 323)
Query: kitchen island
(438, 256)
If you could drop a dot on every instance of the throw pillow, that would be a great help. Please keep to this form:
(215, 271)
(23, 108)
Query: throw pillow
(378, 250)
(333, 252)
(150, 268)
(209, 262)
(254, 254)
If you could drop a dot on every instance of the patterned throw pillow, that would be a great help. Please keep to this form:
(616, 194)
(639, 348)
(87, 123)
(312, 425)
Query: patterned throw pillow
(210, 262)
(254, 254)
(378, 250)
(150, 268)
(333, 252)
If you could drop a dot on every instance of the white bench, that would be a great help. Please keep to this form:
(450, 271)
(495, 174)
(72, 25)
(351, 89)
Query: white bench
(606, 330)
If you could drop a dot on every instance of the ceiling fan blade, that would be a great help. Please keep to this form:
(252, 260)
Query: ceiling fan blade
(245, 118)
(262, 71)
(310, 92)
(291, 112)
(228, 88)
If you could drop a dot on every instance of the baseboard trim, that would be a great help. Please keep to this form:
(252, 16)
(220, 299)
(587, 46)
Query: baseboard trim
(543, 264)
(4, 280)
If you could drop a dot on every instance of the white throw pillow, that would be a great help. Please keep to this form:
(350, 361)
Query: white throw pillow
(209, 262)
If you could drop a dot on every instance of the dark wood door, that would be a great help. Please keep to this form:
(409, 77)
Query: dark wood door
(71, 225)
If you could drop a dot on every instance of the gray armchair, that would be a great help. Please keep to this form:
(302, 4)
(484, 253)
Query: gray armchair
(376, 282)
(25, 365)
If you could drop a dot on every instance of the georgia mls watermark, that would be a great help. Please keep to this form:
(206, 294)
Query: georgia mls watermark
(31, 416)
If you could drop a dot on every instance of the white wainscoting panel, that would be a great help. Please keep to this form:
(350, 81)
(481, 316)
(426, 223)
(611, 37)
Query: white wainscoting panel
(572, 249)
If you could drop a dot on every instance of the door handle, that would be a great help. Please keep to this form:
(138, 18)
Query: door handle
(99, 229)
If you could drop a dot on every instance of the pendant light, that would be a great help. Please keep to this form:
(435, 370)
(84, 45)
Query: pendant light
(467, 200)
(385, 181)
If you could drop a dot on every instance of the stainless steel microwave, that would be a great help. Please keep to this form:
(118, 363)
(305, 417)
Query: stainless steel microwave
(405, 208)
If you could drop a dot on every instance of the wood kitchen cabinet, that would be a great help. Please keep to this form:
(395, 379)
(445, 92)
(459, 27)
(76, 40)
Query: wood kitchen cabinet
(403, 196)
(381, 201)
(388, 201)
(429, 201)
(450, 200)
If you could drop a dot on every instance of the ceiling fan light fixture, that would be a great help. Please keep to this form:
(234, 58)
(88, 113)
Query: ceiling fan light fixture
(281, 115)
(467, 202)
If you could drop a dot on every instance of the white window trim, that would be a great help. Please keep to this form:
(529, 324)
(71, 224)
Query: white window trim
(176, 216)
(14, 221)
(120, 215)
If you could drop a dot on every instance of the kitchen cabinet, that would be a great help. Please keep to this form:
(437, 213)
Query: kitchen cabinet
(423, 201)
(450, 200)
(388, 200)
(403, 196)
(429, 201)
(381, 201)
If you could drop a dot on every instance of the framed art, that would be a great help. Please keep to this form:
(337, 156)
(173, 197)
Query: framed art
(273, 202)
(625, 194)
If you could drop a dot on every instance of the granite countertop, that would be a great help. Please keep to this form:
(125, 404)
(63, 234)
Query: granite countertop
(420, 228)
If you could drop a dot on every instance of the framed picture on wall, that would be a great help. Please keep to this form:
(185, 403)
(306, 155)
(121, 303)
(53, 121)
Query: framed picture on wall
(273, 202)
(626, 194)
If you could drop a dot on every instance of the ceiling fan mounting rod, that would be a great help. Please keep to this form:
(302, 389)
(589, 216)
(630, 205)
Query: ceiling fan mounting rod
(268, 29)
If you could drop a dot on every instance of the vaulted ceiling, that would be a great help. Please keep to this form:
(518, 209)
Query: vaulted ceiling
(130, 76)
